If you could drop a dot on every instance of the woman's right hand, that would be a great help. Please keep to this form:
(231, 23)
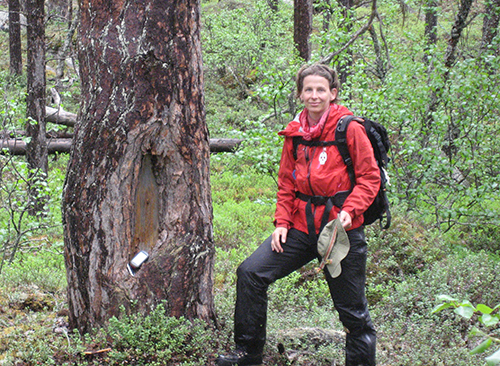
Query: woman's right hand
(278, 238)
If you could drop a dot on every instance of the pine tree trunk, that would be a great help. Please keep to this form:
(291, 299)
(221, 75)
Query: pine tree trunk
(36, 149)
(138, 177)
(16, 60)
(303, 27)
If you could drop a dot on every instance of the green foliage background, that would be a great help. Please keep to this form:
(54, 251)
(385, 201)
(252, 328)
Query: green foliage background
(444, 193)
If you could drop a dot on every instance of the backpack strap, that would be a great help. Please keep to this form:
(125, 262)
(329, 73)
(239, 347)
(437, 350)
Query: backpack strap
(341, 139)
(298, 140)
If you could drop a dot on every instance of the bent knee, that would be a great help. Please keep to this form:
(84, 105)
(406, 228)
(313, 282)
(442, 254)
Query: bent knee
(252, 274)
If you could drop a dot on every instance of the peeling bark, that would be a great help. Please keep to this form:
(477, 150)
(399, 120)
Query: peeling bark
(138, 177)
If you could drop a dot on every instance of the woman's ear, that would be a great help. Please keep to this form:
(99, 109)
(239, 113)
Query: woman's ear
(334, 92)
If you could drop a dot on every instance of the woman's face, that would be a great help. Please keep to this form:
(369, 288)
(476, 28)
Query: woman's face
(317, 95)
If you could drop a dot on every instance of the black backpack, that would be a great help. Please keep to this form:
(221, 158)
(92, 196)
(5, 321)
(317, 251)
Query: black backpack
(379, 209)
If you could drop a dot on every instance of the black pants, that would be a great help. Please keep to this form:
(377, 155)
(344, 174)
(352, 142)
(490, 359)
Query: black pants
(265, 266)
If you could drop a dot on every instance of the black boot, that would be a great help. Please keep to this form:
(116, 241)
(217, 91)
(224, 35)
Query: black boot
(239, 357)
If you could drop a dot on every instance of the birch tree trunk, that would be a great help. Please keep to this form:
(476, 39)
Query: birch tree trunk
(138, 177)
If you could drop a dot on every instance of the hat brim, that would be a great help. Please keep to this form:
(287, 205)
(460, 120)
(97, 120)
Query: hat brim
(340, 248)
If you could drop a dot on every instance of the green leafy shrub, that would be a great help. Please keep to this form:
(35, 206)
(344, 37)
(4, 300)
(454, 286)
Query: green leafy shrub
(412, 335)
(239, 36)
(44, 269)
(489, 319)
(405, 249)
(157, 339)
(481, 237)
(19, 230)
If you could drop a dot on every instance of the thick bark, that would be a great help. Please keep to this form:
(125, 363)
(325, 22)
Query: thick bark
(138, 177)
(302, 27)
(380, 69)
(15, 47)
(36, 149)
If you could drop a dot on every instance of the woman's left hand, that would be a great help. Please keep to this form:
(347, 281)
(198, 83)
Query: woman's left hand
(345, 219)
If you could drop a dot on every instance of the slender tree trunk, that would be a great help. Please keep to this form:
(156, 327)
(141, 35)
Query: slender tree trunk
(431, 22)
(449, 59)
(273, 5)
(455, 34)
(65, 50)
(490, 24)
(344, 68)
(380, 70)
(138, 177)
(15, 46)
(430, 31)
(327, 14)
(36, 150)
(303, 27)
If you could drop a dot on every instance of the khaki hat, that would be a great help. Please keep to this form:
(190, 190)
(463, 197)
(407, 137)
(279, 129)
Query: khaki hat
(333, 246)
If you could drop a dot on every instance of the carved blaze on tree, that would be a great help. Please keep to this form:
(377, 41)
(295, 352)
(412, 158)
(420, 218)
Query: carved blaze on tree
(138, 177)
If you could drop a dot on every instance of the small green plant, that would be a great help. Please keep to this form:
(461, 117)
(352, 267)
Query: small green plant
(488, 318)
(43, 269)
(157, 339)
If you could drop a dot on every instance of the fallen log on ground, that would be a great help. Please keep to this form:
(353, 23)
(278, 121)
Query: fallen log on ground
(60, 116)
(19, 134)
(63, 145)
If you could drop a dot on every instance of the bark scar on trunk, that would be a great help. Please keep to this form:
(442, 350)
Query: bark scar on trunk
(146, 225)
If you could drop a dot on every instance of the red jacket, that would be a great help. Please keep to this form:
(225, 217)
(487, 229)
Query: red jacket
(312, 178)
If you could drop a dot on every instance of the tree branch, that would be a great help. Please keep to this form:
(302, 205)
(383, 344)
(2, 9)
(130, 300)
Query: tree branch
(328, 59)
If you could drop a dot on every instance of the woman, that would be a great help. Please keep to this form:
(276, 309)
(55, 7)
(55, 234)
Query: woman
(310, 174)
